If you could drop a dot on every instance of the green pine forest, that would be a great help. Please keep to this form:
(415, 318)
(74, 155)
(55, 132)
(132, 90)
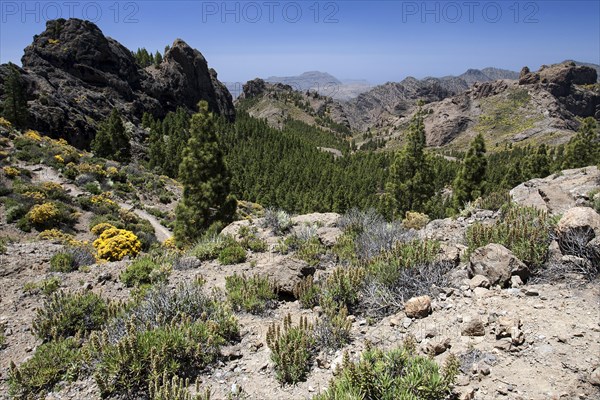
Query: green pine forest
(285, 168)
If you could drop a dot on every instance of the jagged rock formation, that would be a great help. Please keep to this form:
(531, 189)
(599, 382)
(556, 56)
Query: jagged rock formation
(567, 83)
(75, 75)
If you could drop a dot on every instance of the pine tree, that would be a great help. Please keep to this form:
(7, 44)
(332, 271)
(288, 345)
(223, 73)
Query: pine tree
(158, 58)
(583, 149)
(14, 106)
(470, 181)
(206, 183)
(410, 184)
(112, 140)
(538, 163)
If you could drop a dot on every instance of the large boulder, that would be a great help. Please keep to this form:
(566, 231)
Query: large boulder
(578, 234)
(496, 263)
(580, 219)
(285, 272)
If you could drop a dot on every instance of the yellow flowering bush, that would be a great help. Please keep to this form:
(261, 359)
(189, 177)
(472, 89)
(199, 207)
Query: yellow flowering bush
(33, 135)
(56, 235)
(170, 243)
(112, 171)
(59, 159)
(101, 227)
(10, 172)
(46, 214)
(103, 199)
(94, 169)
(5, 123)
(114, 244)
(37, 197)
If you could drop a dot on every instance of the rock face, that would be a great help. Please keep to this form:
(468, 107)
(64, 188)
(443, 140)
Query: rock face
(558, 192)
(583, 219)
(74, 76)
(562, 81)
(496, 263)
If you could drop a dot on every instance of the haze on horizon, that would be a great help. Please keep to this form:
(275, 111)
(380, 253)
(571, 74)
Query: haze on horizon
(378, 41)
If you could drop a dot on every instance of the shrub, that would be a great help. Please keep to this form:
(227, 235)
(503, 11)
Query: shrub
(209, 247)
(311, 251)
(46, 287)
(82, 255)
(161, 305)
(393, 374)
(180, 348)
(10, 172)
(343, 286)
(234, 253)
(143, 271)
(277, 220)
(114, 244)
(356, 221)
(332, 330)
(380, 237)
(524, 230)
(291, 349)
(45, 216)
(493, 201)
(253, 295)
(175, 388)
(52, 363)
(62, 262)
(250, 241)
(2, 337)
(307, 292)
(67, 314)
(415, 220)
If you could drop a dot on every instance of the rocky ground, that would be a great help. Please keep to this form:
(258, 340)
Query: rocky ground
(539, 340)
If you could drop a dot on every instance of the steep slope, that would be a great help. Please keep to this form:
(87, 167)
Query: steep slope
(74, 76)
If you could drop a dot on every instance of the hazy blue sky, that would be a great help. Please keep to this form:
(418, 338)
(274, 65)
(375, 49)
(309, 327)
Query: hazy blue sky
(376, 40)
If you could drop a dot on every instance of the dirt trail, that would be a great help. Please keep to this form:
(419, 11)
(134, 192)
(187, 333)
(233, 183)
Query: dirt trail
(43, 173)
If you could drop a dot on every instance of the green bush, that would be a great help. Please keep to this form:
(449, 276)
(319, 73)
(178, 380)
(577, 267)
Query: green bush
(250, 241)
(332, 330)
(234, 253)
(51, 363)
(291, 349)
(342, 288)
(209, 247)
(67, 314)
(126, 368)
(62, 262)
(143, 271)
(254, 295)
(307, 292)
(394, 374)
(526, 231)
(311, 251)
(46, 286)
(175, 388)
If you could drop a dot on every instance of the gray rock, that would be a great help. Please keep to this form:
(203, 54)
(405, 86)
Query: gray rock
(496, 263)
(473, 328)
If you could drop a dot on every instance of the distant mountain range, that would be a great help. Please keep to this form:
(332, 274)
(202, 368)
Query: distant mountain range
(347, 89)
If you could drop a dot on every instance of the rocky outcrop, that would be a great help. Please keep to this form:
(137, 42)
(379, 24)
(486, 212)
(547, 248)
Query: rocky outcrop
(75, 76)
(566, 82)
(558, 192)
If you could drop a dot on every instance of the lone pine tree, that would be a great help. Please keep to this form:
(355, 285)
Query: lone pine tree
(206, 182)
(470, 181)
(410, 183)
